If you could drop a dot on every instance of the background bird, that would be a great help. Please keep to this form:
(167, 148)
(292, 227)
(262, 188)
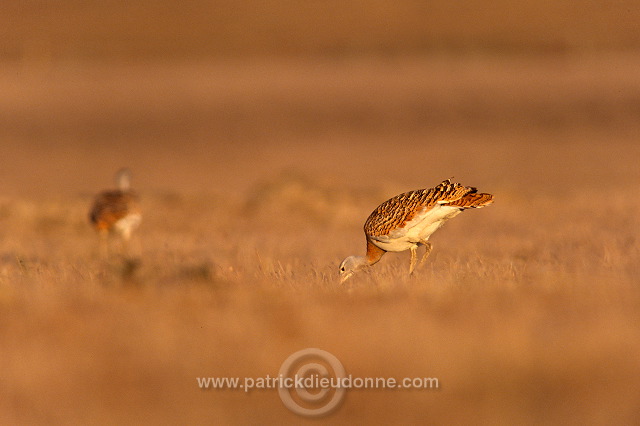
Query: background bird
(406, 222)
(116, 211)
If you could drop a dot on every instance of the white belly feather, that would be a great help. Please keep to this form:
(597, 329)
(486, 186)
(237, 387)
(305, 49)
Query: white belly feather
(416, 230)
(127, 224)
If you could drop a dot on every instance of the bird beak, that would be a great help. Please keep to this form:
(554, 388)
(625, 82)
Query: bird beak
(345, 277)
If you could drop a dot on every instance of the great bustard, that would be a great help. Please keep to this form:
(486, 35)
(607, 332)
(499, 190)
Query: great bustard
(406, 222)
(116, 211)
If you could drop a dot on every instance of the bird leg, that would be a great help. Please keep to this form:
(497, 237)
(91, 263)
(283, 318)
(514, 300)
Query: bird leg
(414, 258)
(125, 242)
(427, 246)
(103, 247)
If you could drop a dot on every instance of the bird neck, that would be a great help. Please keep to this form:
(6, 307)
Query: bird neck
(374, 253)
(123, 180)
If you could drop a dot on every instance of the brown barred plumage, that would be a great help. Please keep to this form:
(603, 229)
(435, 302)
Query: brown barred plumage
(397, 211)
(116, 210)
(406, 221)
(111, 206)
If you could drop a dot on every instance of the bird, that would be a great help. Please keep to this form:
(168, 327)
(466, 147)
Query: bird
(407, 220)
(117, 210)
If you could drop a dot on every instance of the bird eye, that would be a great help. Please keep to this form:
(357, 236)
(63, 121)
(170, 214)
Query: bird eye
(342, 269)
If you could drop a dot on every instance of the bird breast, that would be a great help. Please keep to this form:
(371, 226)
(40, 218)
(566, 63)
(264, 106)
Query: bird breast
(128, 223)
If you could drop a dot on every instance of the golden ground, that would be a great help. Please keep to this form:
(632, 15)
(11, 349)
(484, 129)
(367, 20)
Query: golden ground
(256, 177)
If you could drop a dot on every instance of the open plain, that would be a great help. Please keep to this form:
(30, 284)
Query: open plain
(256, 174)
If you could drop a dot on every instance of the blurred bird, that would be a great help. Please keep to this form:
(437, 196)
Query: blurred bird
(406, 222)
(116, 211)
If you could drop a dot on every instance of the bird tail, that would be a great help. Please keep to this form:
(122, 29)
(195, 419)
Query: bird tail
(472, 200)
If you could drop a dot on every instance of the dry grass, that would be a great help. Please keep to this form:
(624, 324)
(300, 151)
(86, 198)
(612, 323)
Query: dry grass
(256, 178)
(528, 311)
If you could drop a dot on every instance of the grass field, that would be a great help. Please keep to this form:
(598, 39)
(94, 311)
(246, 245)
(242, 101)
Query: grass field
(526, 312)
(258, 156)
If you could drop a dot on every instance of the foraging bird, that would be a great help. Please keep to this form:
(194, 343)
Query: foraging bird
(116, 211)
(406, 222)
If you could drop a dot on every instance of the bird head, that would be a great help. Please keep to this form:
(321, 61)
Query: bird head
(350, 266)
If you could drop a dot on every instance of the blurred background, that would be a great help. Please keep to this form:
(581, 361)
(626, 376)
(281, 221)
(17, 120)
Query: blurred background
(216, 95)
(260, 135)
